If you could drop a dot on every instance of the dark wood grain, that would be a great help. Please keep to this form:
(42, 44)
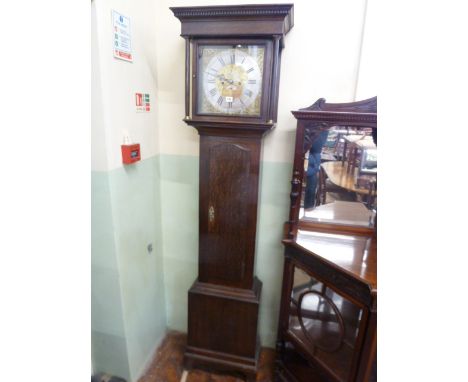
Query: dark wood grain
(273, 106)
(235, 20)
(292, 367)
(226, 317)
(229, 169)
(187, 77)
(368, 361)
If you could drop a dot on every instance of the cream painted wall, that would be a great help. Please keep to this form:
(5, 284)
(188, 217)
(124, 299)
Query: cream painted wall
(98, 133)
(367, 80)
(320, 59)
(114, 88)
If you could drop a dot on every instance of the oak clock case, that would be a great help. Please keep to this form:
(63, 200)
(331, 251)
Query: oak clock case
(231, 91)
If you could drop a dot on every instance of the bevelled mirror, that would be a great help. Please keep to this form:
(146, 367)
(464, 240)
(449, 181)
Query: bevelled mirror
(335, 165)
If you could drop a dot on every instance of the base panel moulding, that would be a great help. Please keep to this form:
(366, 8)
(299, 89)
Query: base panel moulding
(223, 328)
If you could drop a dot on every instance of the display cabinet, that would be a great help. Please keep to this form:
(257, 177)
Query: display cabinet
(328, 317)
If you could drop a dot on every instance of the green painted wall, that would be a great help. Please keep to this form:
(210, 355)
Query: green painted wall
(179, 195)
(128, 310)
(273, 210)
(136, 295)
(109, 346)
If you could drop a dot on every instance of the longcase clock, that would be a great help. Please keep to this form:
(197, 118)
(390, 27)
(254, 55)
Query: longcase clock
(231, 95)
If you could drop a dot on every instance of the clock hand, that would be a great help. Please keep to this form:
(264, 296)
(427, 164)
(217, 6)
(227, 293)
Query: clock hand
(222, 78)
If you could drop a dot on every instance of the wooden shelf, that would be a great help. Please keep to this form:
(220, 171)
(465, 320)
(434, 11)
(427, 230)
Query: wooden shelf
(354, 254)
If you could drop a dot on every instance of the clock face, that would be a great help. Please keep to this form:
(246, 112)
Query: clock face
(230, 79)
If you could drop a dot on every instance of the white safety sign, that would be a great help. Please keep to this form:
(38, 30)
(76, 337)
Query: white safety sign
(121, 37)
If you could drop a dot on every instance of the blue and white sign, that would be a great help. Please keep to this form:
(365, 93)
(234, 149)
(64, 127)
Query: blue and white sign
(122, 37)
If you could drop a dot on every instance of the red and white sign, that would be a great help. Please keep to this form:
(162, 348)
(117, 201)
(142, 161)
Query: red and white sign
(142, 102)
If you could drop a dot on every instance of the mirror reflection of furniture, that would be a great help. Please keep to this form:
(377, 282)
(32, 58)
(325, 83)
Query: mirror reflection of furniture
(354, 213)
(334, 190)
(352, 181)
(372, 196)
(334, 175)
(364, 150)
(340, 136)
(351, 140)
(327, 325)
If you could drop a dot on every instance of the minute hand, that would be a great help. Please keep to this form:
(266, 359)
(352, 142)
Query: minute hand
(222, 78)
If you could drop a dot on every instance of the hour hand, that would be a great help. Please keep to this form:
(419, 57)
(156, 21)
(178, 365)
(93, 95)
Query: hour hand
(222, 78)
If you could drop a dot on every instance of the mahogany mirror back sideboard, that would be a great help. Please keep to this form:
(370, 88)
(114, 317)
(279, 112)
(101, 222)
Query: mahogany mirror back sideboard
(328, 317)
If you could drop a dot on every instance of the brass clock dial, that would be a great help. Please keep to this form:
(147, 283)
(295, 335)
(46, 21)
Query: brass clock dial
(230, 79)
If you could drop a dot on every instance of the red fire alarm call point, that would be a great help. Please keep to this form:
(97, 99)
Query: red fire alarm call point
(131, 153)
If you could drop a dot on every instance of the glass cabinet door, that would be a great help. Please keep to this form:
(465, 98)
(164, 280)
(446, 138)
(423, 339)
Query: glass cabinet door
(326, 323)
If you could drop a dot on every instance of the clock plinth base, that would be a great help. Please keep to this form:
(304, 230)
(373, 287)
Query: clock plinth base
(222, 328)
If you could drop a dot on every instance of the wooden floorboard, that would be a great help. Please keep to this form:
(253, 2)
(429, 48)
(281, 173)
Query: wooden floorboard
(167, 365)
